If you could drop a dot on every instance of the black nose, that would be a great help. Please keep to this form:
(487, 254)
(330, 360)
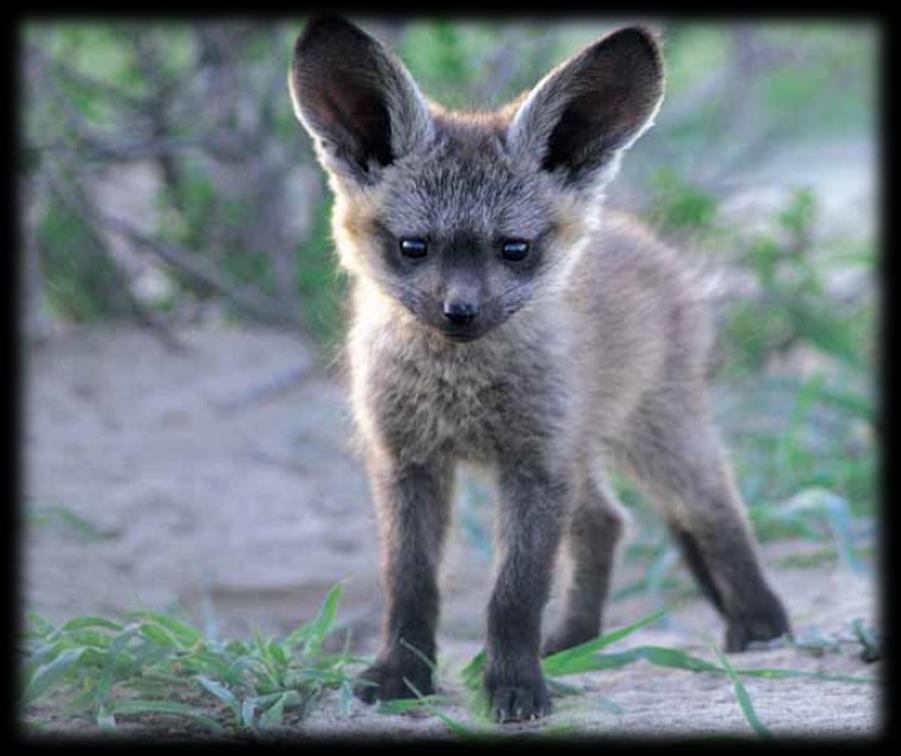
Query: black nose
(460, 313)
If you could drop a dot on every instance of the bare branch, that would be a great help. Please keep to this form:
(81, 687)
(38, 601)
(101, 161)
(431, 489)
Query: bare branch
(79, 203)
(201, 271)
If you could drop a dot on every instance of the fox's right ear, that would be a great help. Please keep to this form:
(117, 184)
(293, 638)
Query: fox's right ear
(356, 99)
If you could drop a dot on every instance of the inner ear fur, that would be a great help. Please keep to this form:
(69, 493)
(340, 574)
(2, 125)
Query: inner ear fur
(592, 106)
(355, 98)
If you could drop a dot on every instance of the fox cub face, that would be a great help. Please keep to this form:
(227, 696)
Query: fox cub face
(463, 219)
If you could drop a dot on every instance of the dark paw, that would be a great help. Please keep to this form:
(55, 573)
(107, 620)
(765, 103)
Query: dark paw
(519, 695)
(520, 704)
(385, 682)
(567, 637)
(761, 627)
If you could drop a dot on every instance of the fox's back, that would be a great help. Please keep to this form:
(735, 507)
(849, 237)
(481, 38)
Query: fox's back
(641, 322)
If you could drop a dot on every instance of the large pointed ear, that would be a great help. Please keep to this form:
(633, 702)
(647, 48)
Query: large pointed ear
(356, 99)
(577, 121)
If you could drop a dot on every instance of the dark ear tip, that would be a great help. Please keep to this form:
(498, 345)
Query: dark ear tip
(324, 21)
(642, 37)
(326, 26)
(648, 34)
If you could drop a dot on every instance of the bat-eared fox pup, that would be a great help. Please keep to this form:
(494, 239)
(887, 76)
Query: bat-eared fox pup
(499, 316)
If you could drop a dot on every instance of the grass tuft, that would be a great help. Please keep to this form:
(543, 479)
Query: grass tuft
(146, 664)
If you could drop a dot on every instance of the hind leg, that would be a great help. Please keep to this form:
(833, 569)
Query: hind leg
(678, 461)
(595, 528)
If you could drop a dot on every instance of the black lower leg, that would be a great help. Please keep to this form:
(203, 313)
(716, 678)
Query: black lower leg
(412, 504)
(594, 531)
(533, 506)
(691, 552)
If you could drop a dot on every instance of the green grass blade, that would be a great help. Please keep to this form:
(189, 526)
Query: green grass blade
(744, 698)
(166, 707)
(664, 657)
(66, 519)
(403, 705)
(51, 673)
(248, 711)
(277, 653)
(186, 635)
(472, 672)
(455, 726)
(866, 636)
(345, 699)
(312, 633)
(106, 720)
(421, 656)
(580, 658)
(159, 635)
(676, 659)
(782, 674)
(275, 714)
(37, 625)
(81, 623)
(223, 694)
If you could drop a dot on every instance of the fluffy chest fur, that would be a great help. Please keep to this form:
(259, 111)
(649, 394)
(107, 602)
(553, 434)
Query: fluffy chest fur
(417, 394)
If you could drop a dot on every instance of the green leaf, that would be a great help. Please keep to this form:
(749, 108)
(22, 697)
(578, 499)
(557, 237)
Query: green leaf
(402, 705)
(106, 720)
(186, 635)
(421, 656)
(744, 699)
(275, 714)
(312, 633)
(80, 623)
(248, 711)
(159, 635)
(165, 707)
(579, 658)
(676, 659)
(224, 695)
(867, 638)
(277, 653)
(49, 674)
(345, 699)
(40, 626)
(667, 657)
(455, 726)
(609, 705)
(116, 655)
(472, 672)
(66, 519)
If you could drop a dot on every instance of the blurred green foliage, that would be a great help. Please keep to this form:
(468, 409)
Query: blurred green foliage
(794, 307)
(81, 283)
(678, 205)
(322, 286)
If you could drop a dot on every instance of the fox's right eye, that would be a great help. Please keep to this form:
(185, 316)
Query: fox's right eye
(413, 248)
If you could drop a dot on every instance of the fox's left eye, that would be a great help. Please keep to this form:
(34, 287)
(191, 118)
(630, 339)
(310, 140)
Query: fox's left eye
(515, 250)
(414, 248)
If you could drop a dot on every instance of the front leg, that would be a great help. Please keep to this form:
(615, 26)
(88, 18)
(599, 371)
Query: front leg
(533, 506)
(412, 504)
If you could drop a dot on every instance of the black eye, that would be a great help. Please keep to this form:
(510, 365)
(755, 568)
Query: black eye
(413, 248)
(515, 250)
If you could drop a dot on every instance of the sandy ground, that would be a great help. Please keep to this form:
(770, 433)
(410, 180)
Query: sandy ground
(244, 513)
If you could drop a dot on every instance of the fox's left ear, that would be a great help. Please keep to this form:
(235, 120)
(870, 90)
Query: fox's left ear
(577, 120)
